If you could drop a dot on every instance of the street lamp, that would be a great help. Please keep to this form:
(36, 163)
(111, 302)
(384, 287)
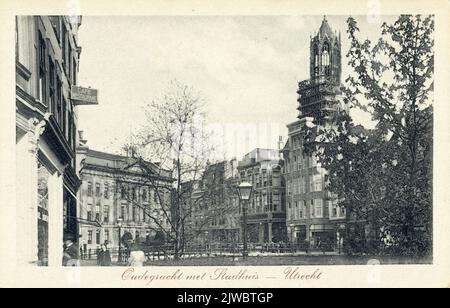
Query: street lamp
(119, 225)
(245, 192)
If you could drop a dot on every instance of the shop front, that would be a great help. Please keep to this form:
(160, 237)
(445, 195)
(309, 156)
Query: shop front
(323, 237)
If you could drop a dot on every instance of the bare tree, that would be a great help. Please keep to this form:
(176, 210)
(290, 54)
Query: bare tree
(174, 136)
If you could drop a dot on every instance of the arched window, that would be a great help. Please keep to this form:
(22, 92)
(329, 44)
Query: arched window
(326, 54)
(316, 61)
(326, 59)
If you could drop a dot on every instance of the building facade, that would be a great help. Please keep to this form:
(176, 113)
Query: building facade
(313, 217)
(215, 217)
(47, 61)
(115, 189)
(266, 221)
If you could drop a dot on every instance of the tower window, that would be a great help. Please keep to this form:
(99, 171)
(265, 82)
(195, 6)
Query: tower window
(326, 58)
(316, 61)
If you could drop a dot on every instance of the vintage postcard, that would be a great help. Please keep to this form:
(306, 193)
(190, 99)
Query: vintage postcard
(225, 144)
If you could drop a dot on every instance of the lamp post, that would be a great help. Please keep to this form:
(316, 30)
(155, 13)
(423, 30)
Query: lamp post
(119, 225)
(245, 192)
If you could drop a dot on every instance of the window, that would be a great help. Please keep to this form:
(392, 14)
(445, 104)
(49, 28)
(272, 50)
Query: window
(69, 65)
(301, 213)
(69, 123)
(122, 212)
(89, 189)
(89, 215)
(59, 98)
(97, 189)
(97, 237)
(106, 190)
(90, 237)
(342, 210)
(144, 195)
(326, 58)
(318, 206)
(97, 212)
(316, 182)
(316, 61)
(74, 73)
(134, 213)
(133, 193)
(123, 192)
(64, 45)
(42, 71)
(105, 213)
(63, 119)
(107, 236)
(52, 92)
(311, 209)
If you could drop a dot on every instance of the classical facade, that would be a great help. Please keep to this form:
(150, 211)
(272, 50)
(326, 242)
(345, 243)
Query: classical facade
(266, 210)
(312, 214)
(116, 188)
(47, 62)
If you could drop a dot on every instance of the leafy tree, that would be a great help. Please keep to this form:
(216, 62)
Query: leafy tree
(383, 177)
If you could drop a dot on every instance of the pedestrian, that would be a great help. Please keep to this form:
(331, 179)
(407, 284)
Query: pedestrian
(104, 256)
(137, 256)
(306, 245)
(70, 254)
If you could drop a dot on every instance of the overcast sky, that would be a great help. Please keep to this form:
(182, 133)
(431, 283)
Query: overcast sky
(247, 69)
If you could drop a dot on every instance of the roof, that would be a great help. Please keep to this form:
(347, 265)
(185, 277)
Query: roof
(121, 162)
(104, 155)
(325, 28)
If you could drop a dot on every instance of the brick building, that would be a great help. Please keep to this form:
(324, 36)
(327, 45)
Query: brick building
(266, 212)
(215, 216)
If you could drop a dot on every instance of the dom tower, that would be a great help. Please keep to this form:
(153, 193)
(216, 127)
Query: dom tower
(312, 217)
(317, 95)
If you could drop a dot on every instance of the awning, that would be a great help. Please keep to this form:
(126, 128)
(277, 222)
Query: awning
(70, 191)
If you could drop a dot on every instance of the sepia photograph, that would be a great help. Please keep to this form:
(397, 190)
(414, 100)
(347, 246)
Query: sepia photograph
(224, 145)
(138, 144)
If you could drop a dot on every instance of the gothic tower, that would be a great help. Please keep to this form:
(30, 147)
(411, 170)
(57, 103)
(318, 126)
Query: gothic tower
(318, 94)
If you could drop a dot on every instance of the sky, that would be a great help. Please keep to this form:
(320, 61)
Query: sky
(247, 69)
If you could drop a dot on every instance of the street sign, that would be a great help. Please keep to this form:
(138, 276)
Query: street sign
(84, 96)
